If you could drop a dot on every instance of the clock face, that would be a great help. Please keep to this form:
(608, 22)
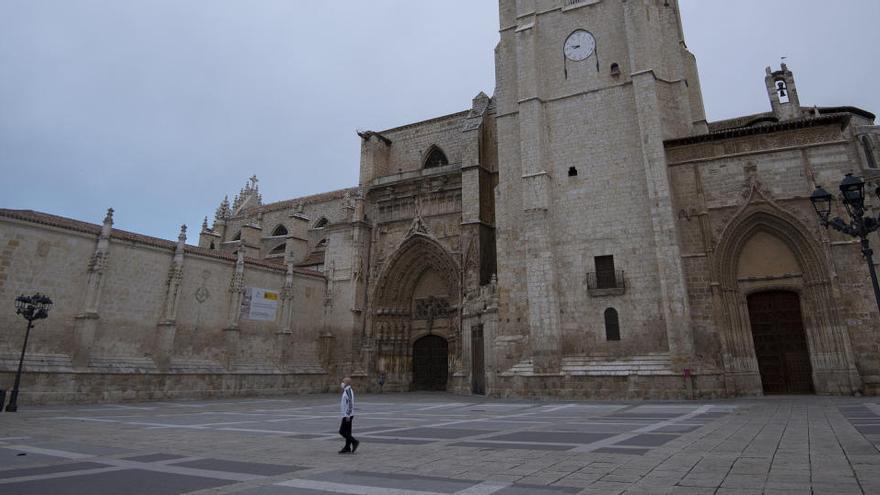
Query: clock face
(579, 45)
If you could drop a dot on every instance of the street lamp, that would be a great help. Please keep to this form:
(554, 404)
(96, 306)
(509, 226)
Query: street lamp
(35, 307)
(852, 195)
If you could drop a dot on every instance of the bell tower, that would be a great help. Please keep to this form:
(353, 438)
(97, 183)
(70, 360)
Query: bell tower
(587, 91)
(783, 93)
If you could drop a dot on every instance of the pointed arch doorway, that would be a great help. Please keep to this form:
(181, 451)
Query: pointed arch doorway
(780, 342)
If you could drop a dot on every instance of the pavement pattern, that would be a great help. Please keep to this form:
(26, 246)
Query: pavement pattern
(430, 444)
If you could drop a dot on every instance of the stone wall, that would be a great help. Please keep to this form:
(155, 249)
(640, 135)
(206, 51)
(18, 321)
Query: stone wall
(136, 317)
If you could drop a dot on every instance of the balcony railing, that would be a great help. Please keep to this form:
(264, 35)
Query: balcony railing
(611, 283)
(567, 4)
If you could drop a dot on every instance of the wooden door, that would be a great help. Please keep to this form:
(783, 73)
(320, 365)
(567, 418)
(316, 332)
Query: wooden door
(430, 363)
(780, 342)
(478, 366)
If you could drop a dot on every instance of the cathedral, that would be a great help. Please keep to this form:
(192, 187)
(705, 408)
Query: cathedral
(585, 232)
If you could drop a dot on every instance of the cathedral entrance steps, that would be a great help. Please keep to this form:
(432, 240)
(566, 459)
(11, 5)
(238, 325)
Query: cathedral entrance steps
(36, 362)
(649, 364)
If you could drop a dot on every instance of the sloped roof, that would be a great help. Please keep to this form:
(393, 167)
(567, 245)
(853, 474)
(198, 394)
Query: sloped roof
(812, 121)
(304, 200)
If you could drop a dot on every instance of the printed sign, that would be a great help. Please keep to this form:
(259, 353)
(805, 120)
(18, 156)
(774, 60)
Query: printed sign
(259, 304)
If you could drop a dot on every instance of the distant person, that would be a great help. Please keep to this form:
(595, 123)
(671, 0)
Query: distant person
(346, 410)
(381, 381)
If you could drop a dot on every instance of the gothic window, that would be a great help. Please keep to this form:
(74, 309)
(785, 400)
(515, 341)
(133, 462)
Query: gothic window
(572, 172)
(279, 230)
(605, 275)
(237, 236)
(436, 158)
(868, 146)
(612, 325)
(212, 245)
(278, 249)
(321, 223)
(322, 244)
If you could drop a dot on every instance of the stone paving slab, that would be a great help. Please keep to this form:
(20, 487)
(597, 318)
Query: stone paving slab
(129, 482)
(54, 468)
(429, 444)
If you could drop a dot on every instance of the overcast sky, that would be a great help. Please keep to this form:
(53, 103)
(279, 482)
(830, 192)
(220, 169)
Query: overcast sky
(160, 107)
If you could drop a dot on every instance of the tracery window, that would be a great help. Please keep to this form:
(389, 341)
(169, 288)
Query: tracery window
(436, 158)
(321, 223)
(431, 308)
(279, 230)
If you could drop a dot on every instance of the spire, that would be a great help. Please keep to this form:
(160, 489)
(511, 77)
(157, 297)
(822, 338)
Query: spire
(205, 225)
(248, 197)
(223, 211)
(108, 224)
(181, 238)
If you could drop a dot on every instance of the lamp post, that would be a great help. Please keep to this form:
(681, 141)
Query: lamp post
(852, 195)
(35, 307)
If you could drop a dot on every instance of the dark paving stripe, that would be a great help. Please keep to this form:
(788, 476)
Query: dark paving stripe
(553, 437)
(128, 482)
(58, 468)
(10, 458)
(306, 436)
(677, 429)
(153, 457)
(612, 450)
(240, 467)
(436, 433)
(82, 448)
(536, 490)
(399, 481)
(515, 446)
(283, 490)
(648, 440)
(369, 429)
(652, 416)
(392, 441)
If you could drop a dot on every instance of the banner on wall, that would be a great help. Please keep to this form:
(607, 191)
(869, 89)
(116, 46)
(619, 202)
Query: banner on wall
(259, 304)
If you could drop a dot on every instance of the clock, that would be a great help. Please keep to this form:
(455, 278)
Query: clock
(579, 45)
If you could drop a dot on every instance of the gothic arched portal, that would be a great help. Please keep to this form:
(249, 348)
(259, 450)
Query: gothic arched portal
(798, 267)
(417, 296)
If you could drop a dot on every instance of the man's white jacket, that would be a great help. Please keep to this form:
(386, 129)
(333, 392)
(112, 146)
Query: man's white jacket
(346, 404)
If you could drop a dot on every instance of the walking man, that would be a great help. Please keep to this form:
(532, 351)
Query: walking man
(346, 410)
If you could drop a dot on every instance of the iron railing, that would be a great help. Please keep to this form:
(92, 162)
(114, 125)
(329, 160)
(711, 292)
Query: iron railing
(606, 281)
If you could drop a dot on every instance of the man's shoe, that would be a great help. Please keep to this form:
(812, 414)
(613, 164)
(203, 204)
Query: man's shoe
(354, 446)
(345, 451)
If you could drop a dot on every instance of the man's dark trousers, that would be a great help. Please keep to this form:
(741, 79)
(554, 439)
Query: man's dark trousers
(345, 431)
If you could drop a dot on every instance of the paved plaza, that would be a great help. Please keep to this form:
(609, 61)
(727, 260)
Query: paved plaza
(424, 444)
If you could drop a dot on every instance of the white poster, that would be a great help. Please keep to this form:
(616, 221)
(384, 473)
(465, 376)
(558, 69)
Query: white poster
(259, 304)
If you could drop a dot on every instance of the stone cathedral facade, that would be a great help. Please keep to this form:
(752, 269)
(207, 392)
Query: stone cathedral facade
(585, 232)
